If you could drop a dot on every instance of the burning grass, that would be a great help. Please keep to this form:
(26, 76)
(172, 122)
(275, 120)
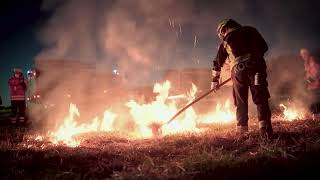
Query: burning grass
(218, 152)
(140, 119)
(194, 145)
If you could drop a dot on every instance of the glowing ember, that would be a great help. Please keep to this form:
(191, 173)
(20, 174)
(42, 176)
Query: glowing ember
(144, 116)
(39, 138)
(291, 113)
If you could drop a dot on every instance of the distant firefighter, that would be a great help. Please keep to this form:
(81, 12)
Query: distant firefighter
(18, 88)
(312, 68)
(312, 77)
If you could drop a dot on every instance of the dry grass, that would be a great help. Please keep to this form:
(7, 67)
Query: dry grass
(218, 153)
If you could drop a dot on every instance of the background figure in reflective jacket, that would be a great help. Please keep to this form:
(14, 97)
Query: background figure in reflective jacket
(18, 87)
(244, 47)
(312, 78)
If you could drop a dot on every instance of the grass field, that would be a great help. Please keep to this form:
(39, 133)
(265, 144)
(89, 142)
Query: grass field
(219, 153)
(4, 113)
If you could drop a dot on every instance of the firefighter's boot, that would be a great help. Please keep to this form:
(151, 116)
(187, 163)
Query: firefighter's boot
(242, 130)
(265, 129)
(21, 119)
(13, 120)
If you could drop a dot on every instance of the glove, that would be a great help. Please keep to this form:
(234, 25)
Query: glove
(310, 80)
(214, 85)
(215, 79)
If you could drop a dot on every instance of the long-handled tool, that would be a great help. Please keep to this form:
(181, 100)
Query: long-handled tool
(155, 127)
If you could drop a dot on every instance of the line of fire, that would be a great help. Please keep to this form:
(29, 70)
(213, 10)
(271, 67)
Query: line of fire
(75, 98)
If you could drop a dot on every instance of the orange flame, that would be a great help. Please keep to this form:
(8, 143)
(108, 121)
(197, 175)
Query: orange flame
(222, 114)
(291, 113)
(144, 115)
(160, 111)
(69, 129)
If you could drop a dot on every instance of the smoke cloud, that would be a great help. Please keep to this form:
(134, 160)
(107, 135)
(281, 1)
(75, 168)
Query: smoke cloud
(140, 38)
(165, 33)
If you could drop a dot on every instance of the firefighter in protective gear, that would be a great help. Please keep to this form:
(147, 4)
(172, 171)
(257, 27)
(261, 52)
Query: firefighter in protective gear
(244, 48)
(18, 87)
(312, 77)
(312, 69)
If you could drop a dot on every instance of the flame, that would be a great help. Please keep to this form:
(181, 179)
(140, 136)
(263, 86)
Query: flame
(160, 111)
(69, 129)
(222, 114)
(144, 117)
(291, 113)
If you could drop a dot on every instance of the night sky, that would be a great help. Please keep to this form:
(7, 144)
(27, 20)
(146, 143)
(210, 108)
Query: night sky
(286, 26)
(19, 21)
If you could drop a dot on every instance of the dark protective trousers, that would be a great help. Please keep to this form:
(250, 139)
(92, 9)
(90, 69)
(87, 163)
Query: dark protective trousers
(243, 77)
(18, 108)
(314, 101)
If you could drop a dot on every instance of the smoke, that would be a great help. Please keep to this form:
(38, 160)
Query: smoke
(285, 82)
(70, 32)
(137, 37)
(143, 37)
(146, 35)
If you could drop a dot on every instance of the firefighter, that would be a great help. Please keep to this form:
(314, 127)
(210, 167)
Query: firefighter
(17, 86)
(244, 48)
(312, 78)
